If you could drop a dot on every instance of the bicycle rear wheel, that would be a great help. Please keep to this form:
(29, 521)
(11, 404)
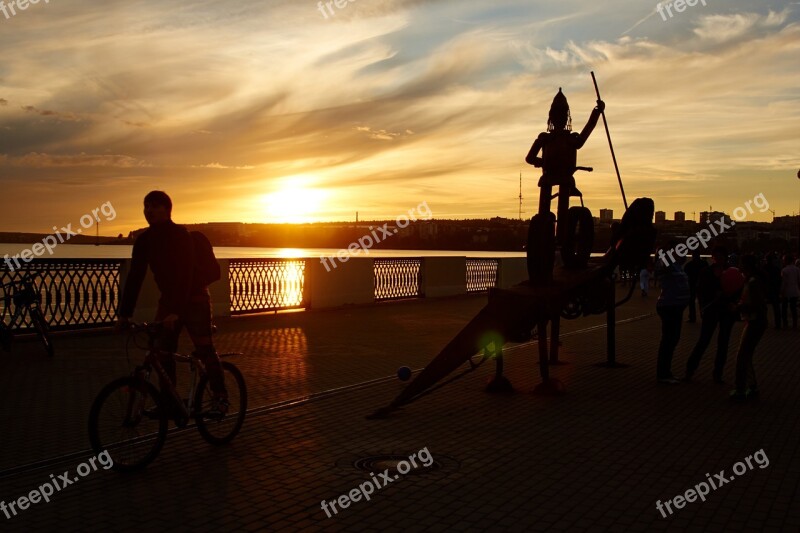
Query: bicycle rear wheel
(41, 327)
(128, 421)
(215, 429)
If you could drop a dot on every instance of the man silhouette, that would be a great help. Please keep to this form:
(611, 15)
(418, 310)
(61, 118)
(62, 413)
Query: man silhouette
(693, 268)
(167, 249)
(670, 305)
(790, 290)
(753, 307)
(715, 310)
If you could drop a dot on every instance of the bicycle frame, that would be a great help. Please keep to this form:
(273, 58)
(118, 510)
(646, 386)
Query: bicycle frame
(152, 361)
(24, 296)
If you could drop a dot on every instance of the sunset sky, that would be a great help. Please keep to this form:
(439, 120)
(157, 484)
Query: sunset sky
(266, 111)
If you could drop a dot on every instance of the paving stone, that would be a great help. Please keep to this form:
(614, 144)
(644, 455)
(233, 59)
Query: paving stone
(596, 458)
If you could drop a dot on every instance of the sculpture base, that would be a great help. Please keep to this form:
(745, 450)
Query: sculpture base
(499, 384)
(606, 364)
(551, 387)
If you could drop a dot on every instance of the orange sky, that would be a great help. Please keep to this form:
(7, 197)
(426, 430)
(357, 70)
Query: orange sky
(268, 111)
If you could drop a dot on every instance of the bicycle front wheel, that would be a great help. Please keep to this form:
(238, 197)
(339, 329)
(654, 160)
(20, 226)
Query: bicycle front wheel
(128, 421)
(40, 325)
(222, 429)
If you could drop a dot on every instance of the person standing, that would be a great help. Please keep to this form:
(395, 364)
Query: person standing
(773, 273)
(644, 281)
(715, 310)
(790, 290)
(753, 307)
(672, 300)
(693, 268)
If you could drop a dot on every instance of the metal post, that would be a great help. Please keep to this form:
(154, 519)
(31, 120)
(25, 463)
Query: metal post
(555, 331)
(544, 368)
(611, 329)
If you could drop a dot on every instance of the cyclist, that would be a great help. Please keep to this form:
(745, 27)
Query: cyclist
(167, 249)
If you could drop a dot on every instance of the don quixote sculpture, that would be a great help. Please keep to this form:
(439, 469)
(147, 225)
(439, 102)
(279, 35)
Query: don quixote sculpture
(578, 285)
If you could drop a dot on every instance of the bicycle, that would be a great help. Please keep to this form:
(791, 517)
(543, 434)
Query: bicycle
(26, 298)
(129, 416)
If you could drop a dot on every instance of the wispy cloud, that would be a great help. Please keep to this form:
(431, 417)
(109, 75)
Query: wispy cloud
(37, 160)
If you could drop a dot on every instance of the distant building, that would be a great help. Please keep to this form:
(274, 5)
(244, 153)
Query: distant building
(788, 221)
(428, 230)
(661, 216)
(680, 216)
(606, 215)
(709, 217)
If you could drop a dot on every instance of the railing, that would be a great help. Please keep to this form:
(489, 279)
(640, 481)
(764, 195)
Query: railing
(81, 293)
(258, 285)
(75, 293)
(481, 274)
(397, 278)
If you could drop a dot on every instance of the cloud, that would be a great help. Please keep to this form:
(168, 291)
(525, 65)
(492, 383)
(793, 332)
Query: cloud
(223, 167)
(48, 113)
(733, 27)
(40, 160)
(383, 135)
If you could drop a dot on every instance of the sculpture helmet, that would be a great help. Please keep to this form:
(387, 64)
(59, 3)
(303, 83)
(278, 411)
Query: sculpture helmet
(559, 117)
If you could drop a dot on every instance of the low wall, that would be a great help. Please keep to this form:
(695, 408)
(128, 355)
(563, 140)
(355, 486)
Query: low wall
(353, 283)
(81, 293)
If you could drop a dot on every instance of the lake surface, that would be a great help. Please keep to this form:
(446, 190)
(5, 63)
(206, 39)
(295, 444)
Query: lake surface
(88, 251)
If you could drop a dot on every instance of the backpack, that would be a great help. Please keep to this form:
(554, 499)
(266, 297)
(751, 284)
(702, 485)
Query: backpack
(206, 269)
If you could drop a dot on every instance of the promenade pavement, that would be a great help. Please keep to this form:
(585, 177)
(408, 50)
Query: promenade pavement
(596, 458)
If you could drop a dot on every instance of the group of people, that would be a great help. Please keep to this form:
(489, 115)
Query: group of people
(725, 291)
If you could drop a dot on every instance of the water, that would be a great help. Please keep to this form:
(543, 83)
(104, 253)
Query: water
(87, 251)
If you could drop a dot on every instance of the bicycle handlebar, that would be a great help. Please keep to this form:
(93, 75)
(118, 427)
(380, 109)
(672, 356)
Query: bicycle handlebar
(151, 328)
(27, 278)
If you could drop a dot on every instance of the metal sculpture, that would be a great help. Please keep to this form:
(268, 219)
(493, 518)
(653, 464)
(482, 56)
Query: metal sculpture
(578, 286)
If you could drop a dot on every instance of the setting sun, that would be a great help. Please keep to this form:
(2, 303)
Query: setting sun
(294, 202)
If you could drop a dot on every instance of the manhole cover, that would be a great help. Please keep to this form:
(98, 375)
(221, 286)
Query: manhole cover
(400, 463)
(395, 464)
